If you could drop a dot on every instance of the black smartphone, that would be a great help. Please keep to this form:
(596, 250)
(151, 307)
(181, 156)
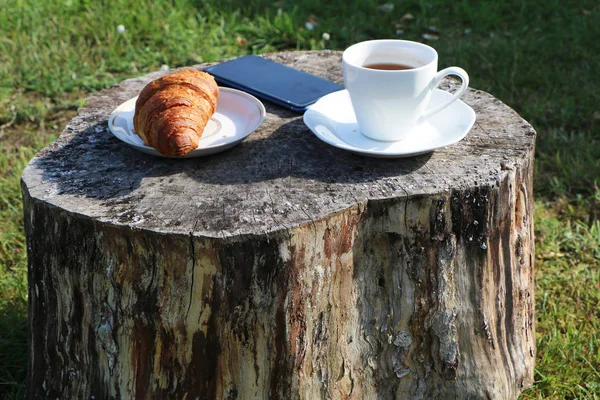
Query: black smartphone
(274, 82)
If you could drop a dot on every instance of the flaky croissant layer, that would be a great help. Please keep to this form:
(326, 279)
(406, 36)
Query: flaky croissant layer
(171, 112)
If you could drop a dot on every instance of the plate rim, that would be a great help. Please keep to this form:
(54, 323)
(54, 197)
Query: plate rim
(194, 153)
(382, 153)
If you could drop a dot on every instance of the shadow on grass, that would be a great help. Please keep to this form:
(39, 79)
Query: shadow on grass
(13, 348)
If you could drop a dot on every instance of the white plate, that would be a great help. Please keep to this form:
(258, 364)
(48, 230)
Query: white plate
(333, 121)
(238, 114)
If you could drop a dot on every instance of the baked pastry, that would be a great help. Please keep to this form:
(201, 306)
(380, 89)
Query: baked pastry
(171, 112)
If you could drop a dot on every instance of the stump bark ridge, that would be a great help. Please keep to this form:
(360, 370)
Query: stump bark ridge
(284, 267)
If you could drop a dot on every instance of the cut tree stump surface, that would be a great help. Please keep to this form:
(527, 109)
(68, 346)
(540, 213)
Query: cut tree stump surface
(283, 266)
(281, 176)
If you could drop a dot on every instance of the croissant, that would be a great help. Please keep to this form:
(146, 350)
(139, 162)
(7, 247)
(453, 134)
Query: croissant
(171, 112)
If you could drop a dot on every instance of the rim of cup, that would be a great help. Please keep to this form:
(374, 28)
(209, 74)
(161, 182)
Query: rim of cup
(349, 52)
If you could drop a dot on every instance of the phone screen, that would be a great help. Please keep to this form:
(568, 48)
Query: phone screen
(271, 81)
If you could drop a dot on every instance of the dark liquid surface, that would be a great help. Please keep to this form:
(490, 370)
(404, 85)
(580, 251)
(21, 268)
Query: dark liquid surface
(388, 66)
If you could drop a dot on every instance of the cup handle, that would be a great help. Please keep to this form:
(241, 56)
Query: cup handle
(462, 74)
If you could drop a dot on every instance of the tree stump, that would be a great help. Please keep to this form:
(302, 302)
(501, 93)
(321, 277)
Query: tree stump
(284, 267)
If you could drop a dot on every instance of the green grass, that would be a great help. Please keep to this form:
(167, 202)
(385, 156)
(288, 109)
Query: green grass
(539, 57)
(13, 273)
(568, 295)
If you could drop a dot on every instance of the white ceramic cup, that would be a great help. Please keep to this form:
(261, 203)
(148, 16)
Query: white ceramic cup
(389, 103)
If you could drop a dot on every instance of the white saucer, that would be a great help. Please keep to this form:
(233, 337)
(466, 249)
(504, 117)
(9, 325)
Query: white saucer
(238, 114)
(333, 121)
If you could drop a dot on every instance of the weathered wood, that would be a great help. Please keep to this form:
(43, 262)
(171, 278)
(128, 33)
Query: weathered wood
(283, 268)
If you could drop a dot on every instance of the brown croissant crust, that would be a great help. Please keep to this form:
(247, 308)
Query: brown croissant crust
(171, 112)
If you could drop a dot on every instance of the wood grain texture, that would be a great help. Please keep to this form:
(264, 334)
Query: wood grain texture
(282, 268)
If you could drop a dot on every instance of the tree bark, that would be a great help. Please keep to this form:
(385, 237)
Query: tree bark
(282, 268)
